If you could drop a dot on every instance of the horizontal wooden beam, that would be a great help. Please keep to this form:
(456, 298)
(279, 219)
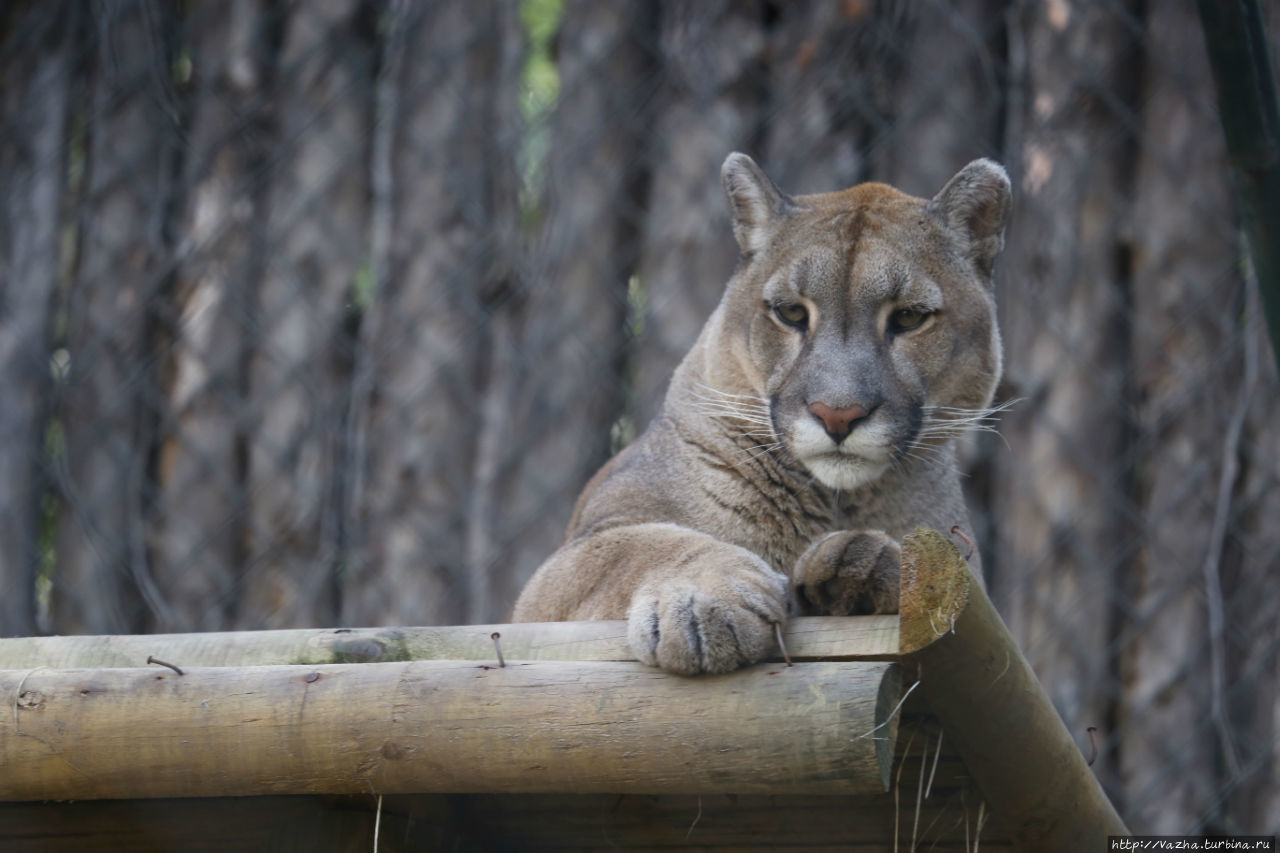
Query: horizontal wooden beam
(446, 726)
(807, 639)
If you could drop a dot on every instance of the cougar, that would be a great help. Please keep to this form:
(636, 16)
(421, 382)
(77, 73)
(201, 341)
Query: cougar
(811, 426)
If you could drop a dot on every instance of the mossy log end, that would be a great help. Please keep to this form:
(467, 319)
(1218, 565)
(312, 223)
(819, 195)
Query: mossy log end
(993, 709)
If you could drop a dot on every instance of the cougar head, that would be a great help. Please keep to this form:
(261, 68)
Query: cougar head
(865, 318)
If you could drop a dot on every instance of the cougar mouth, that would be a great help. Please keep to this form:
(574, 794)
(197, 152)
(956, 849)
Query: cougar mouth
(861, 457)
(844, 470)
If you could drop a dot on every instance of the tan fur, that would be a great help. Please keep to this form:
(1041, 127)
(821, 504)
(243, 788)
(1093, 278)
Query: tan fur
(739, 505)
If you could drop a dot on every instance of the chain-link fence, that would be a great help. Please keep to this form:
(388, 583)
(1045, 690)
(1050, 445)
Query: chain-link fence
(322, 313)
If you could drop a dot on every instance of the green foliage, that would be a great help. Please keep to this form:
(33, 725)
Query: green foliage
(539, 90)
(540, 19)
(363, 288)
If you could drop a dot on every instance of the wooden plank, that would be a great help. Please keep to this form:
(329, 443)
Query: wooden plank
(446, 726)
(807, 639)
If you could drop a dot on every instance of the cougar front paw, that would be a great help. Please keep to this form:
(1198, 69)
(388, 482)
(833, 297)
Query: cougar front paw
(848, 573)
(716, 621)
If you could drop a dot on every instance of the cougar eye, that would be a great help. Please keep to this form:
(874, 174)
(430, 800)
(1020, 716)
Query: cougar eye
(906, 319)
(793, 314)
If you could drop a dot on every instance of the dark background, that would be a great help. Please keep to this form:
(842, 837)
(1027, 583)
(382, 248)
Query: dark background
(321, 313)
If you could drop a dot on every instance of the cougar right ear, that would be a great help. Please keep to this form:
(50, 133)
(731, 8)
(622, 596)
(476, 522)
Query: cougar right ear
(975, 205)
(755, 202)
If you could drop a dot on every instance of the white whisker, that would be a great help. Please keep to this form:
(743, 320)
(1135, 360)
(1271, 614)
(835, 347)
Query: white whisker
(747, 415)
(749, 427)
(758, 413)
(732, 401)
(704, 386)
(730, 413)
(731, 410)
(945, 423)
(925, 454)
(933, 462)
(726, 404)
(750, 414)
(765, 452)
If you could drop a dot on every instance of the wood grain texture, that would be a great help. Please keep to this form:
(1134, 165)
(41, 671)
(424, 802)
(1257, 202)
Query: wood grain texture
(445, 726)
(806, 638)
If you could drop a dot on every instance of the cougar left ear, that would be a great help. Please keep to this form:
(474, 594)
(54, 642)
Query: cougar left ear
(975, 205)
(755, 202)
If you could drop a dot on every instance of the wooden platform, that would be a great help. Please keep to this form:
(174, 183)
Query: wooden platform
(927, 730)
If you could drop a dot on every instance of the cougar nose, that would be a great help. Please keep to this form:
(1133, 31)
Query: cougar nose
(838, 422)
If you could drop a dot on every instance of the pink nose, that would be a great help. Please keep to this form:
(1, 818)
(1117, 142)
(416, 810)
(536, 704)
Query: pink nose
(838, 422)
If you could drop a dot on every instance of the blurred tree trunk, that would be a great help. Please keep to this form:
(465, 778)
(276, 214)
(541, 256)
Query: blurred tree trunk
(559, 346)
(851, 102)
(106, 407)
(949, 110)
(34, 93)
(1252, 615)
(501, 541)
(1189, 294)
(424, 344)
(1252, 607)
(199, 511)
(713, 87)
(834, 71)
(299, 374)
(1064, 494)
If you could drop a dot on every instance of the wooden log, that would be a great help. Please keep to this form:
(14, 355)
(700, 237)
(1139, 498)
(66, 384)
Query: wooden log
(992, 707)
(807, 639)
(446, 726)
